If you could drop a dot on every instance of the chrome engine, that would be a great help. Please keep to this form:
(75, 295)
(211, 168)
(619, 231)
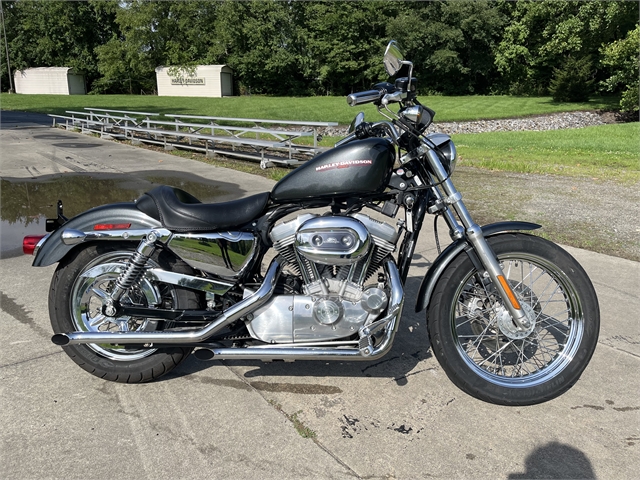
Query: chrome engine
(334, 256)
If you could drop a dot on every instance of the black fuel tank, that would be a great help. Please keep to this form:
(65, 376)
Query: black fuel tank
(359, 167)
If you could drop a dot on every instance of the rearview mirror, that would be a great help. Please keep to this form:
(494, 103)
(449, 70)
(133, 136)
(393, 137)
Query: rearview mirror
(393, 58)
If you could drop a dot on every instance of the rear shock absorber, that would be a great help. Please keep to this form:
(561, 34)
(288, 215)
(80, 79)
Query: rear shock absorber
(132, 271)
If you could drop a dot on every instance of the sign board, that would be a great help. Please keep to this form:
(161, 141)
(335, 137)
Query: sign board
(197, 81)
(187, 81)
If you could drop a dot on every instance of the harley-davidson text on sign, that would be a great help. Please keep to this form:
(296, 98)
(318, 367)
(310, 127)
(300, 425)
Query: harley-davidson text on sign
(187, 81)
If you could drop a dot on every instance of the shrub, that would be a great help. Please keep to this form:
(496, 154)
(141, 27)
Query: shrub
(573, 81)
(622, 58)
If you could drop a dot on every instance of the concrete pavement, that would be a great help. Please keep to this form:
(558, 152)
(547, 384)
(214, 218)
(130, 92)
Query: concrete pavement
(399, 417)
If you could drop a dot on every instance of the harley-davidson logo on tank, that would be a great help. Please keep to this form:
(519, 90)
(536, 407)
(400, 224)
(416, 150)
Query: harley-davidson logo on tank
(344, 164)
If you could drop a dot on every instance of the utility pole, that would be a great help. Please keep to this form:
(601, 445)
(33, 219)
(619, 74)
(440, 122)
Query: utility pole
(6, 46)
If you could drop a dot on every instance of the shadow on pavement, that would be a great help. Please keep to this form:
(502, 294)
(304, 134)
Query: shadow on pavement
(556, 461)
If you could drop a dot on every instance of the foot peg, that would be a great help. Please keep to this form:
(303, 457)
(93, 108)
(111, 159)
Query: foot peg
(365, 345)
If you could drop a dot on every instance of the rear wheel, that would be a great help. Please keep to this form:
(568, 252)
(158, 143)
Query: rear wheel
(75, 304)
(480, 348)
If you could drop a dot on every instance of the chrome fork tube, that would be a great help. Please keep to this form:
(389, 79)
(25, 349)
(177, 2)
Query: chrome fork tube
(455, 230)
(474, 235)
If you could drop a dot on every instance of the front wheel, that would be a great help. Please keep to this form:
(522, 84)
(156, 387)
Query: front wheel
(478, 345)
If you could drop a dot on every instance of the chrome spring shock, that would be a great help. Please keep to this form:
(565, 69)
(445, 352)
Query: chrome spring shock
(135, 267)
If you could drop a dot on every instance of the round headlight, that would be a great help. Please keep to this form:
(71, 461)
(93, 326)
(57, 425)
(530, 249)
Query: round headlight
(450, 154)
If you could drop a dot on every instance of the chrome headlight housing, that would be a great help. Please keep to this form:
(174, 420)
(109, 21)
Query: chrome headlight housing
(450, 154)
(446, 148)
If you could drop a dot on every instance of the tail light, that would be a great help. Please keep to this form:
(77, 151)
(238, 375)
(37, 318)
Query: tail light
(30, 242)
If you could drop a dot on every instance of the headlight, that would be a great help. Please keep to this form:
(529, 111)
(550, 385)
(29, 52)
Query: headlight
(448, 150)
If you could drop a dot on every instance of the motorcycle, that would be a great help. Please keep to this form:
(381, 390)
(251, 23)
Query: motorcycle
(512, 318)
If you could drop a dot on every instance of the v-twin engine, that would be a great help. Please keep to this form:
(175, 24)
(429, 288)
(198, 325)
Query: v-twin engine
(334, 256)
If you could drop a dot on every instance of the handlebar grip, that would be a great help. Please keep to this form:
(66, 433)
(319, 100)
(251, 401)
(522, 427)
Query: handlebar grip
(363, 97)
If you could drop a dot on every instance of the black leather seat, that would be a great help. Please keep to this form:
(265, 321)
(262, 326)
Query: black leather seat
(179, 211)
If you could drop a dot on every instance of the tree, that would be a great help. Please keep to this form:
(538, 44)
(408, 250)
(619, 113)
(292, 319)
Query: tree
(622, 57)
(333, 47)
(573, 82)
(152, 34)
(9, 21)
(58, 33)
(542, 35)
(451, 43)
(346, 41)
(261, 42)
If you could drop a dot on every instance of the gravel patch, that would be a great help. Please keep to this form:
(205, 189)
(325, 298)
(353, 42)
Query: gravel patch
(553, 121)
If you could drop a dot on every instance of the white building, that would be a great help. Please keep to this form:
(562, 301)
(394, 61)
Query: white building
(49, 80)
(207, 81)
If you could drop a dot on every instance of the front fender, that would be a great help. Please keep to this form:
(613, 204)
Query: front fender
(53, 249)
(452, 251)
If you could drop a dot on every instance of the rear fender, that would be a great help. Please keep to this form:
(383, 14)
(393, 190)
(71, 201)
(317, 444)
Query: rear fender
(453, 250)
(53, 249)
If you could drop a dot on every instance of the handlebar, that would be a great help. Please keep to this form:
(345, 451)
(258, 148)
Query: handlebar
(364, 97)
(381, 92)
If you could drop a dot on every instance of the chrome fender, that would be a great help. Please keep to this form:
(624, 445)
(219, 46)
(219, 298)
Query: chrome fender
(456, 248)
(53, 249)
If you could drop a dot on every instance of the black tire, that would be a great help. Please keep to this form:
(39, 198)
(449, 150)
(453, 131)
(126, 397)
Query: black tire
(475, 342)
(118, 364)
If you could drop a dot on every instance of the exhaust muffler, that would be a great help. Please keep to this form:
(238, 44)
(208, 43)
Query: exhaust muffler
(229, 316)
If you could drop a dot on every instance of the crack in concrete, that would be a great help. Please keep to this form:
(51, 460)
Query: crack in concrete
(73, 166)
(412, 373)
(315, 440)
(31, 359)
(619, 349)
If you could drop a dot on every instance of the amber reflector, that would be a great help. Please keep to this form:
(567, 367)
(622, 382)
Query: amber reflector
(510, 294)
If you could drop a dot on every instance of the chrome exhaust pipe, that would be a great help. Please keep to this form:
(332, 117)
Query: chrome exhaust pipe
(232, 314)
(292, 352)
(275, 353)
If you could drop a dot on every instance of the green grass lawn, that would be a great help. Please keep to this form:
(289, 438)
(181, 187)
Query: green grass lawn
(605, 151)
(326, 109)
(610, 152)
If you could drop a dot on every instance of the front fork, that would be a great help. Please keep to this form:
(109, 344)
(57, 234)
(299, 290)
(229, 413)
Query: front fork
(473, 233)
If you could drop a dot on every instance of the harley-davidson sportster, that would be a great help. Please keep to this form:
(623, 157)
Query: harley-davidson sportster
(512, 318)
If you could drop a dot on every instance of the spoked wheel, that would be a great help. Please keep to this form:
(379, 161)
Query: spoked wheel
(482, 350)
(78, 290)
(90, 290)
